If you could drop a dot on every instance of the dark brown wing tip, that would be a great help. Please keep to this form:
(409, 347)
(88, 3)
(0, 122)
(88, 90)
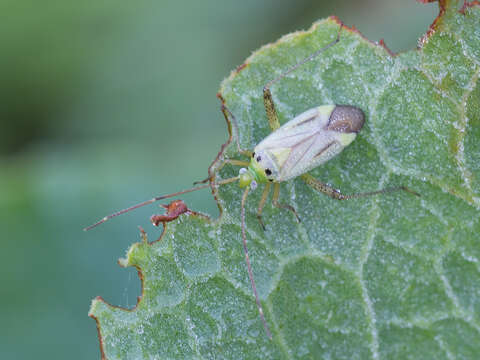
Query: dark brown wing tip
(346, 119)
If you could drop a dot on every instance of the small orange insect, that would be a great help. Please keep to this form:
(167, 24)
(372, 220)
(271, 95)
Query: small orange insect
(174, 210)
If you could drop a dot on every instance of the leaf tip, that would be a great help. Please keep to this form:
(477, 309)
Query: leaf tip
(93, 306)
(92, 313)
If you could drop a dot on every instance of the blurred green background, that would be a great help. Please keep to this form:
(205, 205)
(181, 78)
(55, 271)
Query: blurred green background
(106, 103)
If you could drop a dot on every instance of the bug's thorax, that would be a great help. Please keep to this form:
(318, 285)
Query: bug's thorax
(246, 177)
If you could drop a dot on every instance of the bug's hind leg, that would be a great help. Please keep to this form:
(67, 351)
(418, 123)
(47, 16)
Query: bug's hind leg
(270, 108)
(267, 94)
(228, 114)
(276, 194)
(335, 194)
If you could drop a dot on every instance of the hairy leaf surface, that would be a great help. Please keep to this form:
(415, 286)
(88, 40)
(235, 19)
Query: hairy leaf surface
(386, 277)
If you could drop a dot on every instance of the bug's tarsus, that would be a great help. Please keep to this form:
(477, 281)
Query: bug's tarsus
(296, 215)
(337, 195)
(404, 188)
(378, 192)
(287, 207)
(276, 195)
(249, 266)
(262, 224)
(204, 181)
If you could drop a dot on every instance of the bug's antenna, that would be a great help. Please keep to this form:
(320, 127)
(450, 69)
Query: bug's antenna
(307, 59)
(108, 217)
(249, 267)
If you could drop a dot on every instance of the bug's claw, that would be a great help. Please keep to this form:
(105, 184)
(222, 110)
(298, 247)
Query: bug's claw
(259, 217)
(292, 209)
(404, 188)
(296, 215)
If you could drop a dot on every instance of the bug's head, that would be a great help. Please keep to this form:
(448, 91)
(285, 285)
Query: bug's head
(262, 166)
(246, 178)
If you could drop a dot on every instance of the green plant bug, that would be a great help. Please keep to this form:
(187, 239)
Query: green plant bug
(290, 151)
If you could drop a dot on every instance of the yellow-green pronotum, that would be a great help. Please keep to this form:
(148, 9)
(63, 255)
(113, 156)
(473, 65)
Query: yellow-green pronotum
(303, 143)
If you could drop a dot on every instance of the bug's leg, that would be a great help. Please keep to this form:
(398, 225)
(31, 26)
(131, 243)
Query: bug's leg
(204, 181)
(276, 194)
(335, 194)
(249, 266)
(229, 161)
(267, 94)
(261, 204)
(270, 108)
(237, 162)
(228, 114)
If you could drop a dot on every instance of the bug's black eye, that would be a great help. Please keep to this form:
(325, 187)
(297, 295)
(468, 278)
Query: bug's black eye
(270, 180)
(268, 172)
(253, 155)
(259, 158)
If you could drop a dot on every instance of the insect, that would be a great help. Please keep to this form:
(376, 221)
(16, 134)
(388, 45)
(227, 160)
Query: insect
(174, 210)
(290, 151)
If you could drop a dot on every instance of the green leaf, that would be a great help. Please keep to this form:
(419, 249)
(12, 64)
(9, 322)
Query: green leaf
(388, 277)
